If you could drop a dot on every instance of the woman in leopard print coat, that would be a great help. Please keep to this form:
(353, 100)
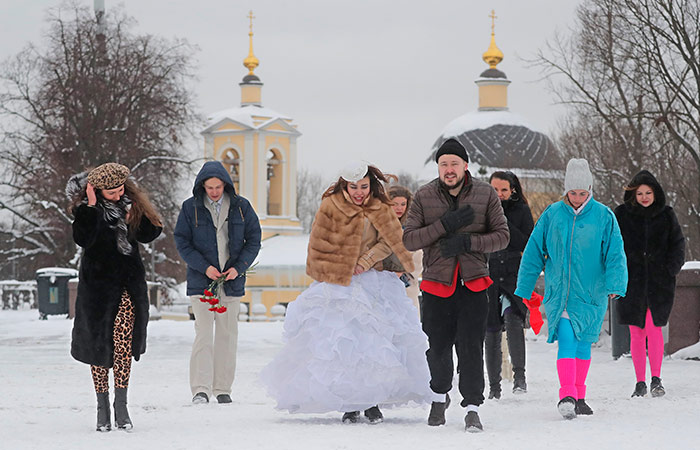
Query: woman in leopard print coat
(111, 314)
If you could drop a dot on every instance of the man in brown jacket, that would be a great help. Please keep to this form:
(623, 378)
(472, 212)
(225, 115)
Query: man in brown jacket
(457, 221)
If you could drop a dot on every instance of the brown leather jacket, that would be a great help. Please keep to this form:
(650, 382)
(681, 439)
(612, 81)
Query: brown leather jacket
(423, 230)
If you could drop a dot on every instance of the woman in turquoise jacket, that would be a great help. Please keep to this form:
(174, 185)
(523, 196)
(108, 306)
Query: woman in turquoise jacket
(578, 243)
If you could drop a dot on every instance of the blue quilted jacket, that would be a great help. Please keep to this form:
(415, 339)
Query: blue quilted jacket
(583, 259)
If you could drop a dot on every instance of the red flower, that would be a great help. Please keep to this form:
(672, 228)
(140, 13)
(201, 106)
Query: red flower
(211, 295)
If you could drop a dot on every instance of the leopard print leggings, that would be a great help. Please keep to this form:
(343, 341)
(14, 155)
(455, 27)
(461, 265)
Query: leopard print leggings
(123, 331)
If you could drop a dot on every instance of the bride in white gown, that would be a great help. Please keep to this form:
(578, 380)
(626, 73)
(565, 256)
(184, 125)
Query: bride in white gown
(353, 339)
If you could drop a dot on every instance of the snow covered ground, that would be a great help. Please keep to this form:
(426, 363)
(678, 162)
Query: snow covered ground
(47, 402)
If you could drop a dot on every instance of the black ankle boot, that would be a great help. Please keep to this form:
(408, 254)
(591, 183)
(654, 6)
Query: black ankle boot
(493, 357)
(103, 412)
(351, 417)
(121, 414)
(437, 412)
(374, 415)
(640, 389)
(656, 388)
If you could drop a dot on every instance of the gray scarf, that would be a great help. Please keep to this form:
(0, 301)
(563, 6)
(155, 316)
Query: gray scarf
(114, 214)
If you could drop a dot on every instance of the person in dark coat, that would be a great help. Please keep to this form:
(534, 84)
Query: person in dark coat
(217, 234)
(111, 312)
(655, 249)
(505, 308)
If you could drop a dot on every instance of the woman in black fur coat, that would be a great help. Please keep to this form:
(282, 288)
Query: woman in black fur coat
(655, 249)
(111, 313)
(506, 308)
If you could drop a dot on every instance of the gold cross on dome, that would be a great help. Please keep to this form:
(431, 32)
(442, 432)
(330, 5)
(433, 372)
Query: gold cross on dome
(493, 20)
(251, 17)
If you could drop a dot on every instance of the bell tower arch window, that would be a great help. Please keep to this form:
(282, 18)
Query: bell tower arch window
(275, 182)
(232, 162)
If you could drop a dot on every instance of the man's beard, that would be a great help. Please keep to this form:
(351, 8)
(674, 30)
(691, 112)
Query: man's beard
(458, 185)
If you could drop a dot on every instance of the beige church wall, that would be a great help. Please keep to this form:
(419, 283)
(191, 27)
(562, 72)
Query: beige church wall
(276, 127)
(281, 143)
(251, 94)
(222, 143)
(271, 298)
(271, 278)
(229, 126)
(493, 97)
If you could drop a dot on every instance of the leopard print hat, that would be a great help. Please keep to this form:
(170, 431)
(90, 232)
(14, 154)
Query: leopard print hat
(108, 176)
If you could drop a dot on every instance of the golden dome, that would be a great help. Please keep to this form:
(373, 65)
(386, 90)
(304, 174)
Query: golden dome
(493, 55)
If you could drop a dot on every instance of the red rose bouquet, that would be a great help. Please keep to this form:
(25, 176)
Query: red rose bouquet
(212, 293)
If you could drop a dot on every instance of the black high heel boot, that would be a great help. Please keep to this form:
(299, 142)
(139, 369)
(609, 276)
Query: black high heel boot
(121, 414)
(103, 412)
(493, 357)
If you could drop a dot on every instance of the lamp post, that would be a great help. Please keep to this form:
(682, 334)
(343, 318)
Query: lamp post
(99, 15)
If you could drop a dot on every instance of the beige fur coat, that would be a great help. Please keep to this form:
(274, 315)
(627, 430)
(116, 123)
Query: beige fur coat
(341, 238)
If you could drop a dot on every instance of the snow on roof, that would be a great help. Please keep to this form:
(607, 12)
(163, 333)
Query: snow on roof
(481, 120)
(283, 251)
(245, 115)
(691, 265)
(57, 271)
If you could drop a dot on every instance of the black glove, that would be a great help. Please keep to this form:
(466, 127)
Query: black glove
(456, 244)
(458, 218)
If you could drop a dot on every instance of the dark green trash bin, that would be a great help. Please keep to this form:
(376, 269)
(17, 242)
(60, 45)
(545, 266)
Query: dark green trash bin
(620, 334)
(52, 290)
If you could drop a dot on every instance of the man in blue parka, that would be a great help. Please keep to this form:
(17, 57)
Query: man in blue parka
(578, 243)
(217, 234)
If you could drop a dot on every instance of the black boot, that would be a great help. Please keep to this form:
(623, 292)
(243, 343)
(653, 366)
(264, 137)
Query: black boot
(640, 389)
(121, 414)
(582, 408)
(351, 417)
(492, 356)
(472, 423)
(656, 388)
(437, 412)
(103, 412)
(567, 407)
(516, 349)
(374, 415)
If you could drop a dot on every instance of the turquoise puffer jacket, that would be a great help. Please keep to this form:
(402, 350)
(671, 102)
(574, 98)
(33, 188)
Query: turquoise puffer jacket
(583, 259)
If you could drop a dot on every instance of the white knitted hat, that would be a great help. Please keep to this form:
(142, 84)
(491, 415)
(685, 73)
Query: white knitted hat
(354, 171)
(578, 176)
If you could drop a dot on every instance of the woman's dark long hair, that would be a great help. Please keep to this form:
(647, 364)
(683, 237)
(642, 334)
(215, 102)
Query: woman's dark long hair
(512, 179)
(376, 188)
(140, 206)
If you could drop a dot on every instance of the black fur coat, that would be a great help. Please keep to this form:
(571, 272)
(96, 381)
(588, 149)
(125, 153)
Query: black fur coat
(104, 274)
(655, 249)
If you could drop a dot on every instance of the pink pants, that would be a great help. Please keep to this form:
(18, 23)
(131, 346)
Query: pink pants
(642, 339)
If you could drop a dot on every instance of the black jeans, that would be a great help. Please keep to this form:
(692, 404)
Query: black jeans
(457, 321)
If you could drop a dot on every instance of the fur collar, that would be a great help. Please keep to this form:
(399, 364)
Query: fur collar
(344, 203)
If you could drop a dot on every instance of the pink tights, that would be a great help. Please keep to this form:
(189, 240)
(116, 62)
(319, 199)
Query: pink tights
(639, 345)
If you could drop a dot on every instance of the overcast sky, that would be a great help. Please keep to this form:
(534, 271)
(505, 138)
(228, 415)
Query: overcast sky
(370, 79)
